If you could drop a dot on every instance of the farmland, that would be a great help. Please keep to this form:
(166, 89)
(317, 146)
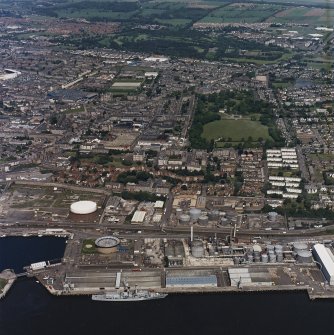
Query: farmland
(242, 13)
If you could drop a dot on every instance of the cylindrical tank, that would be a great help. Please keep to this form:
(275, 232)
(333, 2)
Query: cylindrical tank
(184, 218)
(213, 215)
(279, 257)
(179, 252)
(179, 212)
(297, 246)
(250, 258)
(278, 248)
(270, 247)
(194, 213)
(272, 216)
(203, 220)
(257, 248)
(272, 258)
(197, 243)
(257, 258)
(264, 258)
(224, 221)
(304, 256)
(197, 251)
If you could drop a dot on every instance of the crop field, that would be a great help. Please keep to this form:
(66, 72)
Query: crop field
(242, 12)
(314, 16)
(235, 130)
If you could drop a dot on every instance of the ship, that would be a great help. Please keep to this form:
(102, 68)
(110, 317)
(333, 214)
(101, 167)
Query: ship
(129, 295)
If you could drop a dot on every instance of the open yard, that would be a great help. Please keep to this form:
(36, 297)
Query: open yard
(235, 130)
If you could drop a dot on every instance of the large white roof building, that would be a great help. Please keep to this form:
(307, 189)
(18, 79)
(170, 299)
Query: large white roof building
(325, 257)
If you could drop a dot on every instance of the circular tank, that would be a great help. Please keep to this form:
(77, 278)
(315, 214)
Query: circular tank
(250, 257)
(213, 215)
(270, 247)
(107, 244)
(178, 212)
(304, 256)
(272, 258)
(203, 220)
(257, 248)
(197, 251)
(194, 213)
(224, 221)
(278, 248)
(197, 243)
(264, 258)
(257, 258)
(83, 207)
(272, 216)
(184, 218)
(279, 257)
(299, 246)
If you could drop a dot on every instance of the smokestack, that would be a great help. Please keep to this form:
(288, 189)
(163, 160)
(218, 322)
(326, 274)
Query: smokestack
(191, 233)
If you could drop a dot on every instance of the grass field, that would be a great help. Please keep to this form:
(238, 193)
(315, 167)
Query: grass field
(312, 16)
(236, 130)
(245, 12)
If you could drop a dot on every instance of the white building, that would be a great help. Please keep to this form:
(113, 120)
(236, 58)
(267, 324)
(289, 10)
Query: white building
(325, 257)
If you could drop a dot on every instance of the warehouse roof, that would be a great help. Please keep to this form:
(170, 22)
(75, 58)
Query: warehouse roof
(326, 256)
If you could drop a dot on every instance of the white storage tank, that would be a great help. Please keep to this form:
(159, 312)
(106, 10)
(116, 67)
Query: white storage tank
(184, 219)
(194, 213)
(304, 256)
(264, 258)
(272, 216)
(197, 251)
(178, 212)
(83, 207)
(297, 246)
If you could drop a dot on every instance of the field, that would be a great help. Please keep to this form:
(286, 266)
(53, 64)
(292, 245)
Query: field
(235, 130)
(242, 12)
(303, 15)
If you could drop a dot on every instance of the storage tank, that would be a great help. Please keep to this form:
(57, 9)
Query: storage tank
(83, 207)
(213, 215)
(224, 221)
(297, 246)
(250, 258)
(197, 243)
(203, 220)
(270, 247)
(264, 258)
(179, 212)
(304, 256)
(257, 248)
(197, 251)
(257, 258)
(279, 257)
(272, 216)
(107, 244)
(194, 213)
(184, 219)
(278, 248)
(272, 258)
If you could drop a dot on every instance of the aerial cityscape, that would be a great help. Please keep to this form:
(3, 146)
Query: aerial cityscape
(177, 147)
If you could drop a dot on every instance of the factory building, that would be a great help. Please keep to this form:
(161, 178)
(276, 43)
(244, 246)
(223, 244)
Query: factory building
(325, 257)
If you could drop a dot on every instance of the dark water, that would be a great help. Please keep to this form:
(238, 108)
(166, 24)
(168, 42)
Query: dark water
(29, 309)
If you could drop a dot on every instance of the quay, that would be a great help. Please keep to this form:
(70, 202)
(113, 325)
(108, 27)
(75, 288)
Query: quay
(7, 279)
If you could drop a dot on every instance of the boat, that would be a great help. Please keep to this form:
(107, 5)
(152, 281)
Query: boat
(127, 295)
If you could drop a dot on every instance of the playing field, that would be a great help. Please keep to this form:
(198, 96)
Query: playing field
(235, 130)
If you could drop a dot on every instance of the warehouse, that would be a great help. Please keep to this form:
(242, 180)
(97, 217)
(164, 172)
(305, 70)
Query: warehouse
(325, 258)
